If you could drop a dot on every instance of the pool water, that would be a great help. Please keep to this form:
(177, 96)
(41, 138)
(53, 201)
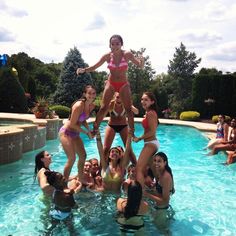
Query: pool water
(204, 201)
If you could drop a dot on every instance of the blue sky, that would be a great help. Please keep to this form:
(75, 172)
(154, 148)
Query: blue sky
(47, 29)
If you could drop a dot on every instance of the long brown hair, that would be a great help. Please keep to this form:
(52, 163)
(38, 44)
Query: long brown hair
(154, 106)
(134, 199)
(83, 98)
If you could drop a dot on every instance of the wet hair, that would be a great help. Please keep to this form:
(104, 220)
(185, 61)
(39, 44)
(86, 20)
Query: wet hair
(134, 197)
(52, 179)
(39, 163)
(118, 37)
(163, 156)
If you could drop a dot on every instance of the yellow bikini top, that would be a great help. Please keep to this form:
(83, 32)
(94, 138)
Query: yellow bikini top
(108, 177)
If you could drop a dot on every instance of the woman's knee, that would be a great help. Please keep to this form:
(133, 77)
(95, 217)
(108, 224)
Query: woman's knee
(82, 157)
(71, 161)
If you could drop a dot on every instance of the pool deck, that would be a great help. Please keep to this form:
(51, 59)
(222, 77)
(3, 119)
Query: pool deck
(198, 125)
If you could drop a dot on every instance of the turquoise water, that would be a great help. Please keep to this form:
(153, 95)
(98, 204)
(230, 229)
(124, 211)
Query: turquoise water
(204, 202)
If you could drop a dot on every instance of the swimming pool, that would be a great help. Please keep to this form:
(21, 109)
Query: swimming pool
(204, 202)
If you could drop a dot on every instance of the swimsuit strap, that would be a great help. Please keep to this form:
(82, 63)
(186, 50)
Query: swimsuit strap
(116, 113)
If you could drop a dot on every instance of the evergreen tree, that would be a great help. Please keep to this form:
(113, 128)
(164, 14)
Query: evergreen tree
(12, 95)
(70, 86)
(181, 70)
(140, 79)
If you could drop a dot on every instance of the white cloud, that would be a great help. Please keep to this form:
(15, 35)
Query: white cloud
(223, 52)
(5, 35)
(50, 28)
(98, 22)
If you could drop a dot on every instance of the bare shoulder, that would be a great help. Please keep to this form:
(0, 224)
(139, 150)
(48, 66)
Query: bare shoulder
(152, 114)
(77, 105)
(128, 54)
(107, 56)
(121, 202)
(143, 208)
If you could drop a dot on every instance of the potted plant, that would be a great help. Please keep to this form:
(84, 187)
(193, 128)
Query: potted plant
(41, 109)
(166, 113)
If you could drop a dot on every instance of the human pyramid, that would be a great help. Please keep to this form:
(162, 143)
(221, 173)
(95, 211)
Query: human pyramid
(150, 176)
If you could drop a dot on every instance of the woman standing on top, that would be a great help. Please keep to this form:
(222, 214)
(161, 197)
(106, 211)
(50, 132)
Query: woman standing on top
(117, 60)
(70, 138)
(151, 143)
(117, 124)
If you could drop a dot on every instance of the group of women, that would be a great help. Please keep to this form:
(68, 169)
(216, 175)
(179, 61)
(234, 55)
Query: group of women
(152, 171)
(225, 139)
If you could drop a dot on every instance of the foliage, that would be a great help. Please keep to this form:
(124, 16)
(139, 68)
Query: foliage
(12, 95)
(190, 115)
(41, 109)
(140, 79)
(215, 118)
(71, 86)
(99, 79)
(37, 78)
(61, 111)
(184, 63)
(180, 72)
(218, 87)
(209, 71)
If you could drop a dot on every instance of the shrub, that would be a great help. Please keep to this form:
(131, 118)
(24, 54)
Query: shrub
(215, 118)
(12, 95)
(190, 115)
(61, 111)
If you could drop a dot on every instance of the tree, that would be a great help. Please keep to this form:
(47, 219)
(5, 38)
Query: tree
(46, 85)
(12, 95)
(181, 69)
(36, 78)
(140, 79)
(70, 86)
(99, 79)
(184, 63)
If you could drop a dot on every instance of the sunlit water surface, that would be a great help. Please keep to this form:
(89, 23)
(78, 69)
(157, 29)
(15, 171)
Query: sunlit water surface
(204, 202)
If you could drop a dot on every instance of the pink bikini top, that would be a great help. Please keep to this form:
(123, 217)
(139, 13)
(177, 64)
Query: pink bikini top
(123, 65)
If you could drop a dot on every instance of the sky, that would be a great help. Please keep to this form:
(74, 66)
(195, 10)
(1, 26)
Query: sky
(48, 29)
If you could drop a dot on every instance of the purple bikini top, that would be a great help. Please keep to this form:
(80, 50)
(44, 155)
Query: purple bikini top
(82, 117)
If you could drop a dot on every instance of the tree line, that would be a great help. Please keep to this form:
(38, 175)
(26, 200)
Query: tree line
(209, 91)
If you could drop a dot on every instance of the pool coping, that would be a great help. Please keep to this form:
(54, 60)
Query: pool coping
(207, 127)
